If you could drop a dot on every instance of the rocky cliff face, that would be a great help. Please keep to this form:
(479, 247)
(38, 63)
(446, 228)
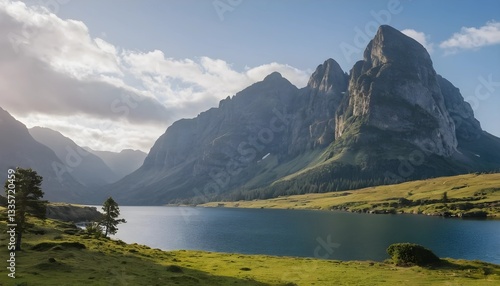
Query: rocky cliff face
(314, 121)
(395, 89)
(466, 125)
(73, 213)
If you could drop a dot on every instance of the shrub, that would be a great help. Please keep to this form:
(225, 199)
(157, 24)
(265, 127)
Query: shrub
(407, 254)
(174, 269)
(94, 229)
(44, 246)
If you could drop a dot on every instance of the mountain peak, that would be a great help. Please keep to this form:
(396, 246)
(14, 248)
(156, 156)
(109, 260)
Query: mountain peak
(328, 77)
(273, 76)
(395, 84)
(391, 45)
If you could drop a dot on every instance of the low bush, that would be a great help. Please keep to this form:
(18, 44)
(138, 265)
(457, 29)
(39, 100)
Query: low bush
(174, 269)
(408, 254)
(44, 246)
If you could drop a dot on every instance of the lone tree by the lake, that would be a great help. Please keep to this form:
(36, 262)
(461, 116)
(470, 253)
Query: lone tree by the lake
(24, 193)
(110, 220)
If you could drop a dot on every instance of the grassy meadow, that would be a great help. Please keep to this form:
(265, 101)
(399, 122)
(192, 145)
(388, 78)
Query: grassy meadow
(464, 195)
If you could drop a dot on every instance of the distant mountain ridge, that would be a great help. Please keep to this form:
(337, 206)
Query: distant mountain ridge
(121, 163)
(19, 149)
(69, 171)
(87, 168)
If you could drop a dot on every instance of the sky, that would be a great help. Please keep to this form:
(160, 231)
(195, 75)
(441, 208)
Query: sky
(114, 74)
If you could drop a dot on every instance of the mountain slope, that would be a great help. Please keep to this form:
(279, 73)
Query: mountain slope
(19, 149)
(87, 168)
(122, 163)
(209, 152)
(392, 119)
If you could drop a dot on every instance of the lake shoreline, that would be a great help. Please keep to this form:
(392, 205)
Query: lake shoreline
(208, 205)
(467, 196)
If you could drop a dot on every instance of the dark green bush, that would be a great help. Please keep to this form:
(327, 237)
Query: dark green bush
(407, 254)
(174, 269)
(44, 246)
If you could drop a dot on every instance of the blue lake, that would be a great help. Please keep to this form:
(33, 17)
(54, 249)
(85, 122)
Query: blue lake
(330, 235)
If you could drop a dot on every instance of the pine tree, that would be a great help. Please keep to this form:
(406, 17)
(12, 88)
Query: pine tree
(23, 191)
(110, 220)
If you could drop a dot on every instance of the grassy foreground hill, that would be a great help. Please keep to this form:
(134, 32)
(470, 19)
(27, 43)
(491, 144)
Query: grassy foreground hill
(471, 195)
(56, 253)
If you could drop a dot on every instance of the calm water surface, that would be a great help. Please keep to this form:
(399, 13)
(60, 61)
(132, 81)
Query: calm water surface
(332, 235)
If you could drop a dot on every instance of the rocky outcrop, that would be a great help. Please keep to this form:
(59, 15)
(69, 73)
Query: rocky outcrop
(467, 127)
(73, 213)
(314, 123)
(396, 90)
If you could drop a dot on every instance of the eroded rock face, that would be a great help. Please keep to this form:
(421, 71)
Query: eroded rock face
(395, 89)
(467, 127)
(314, 120)
(73, 213)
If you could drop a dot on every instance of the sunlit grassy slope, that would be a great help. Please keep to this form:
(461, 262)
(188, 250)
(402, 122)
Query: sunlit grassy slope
(467, 195)
(56, 254)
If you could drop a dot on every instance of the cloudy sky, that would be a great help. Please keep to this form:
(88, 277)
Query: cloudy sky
(115, 74)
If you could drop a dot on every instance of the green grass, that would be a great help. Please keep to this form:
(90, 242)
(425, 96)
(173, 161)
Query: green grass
(466, 194)
(58, 258)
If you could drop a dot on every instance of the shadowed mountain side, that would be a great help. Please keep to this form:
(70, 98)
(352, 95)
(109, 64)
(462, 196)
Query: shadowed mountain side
(19, 149)
(87, 168)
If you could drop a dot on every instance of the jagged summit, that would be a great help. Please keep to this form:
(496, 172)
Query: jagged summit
(390, 45)
(395, 89)
(328, 77)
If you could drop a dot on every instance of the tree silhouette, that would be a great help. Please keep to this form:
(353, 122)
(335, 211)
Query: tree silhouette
(24, 193)
(111, 220)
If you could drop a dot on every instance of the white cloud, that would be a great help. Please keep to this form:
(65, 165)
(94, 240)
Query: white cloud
(53, 68)
(473, 38)
(63, 44)
(420, 37)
